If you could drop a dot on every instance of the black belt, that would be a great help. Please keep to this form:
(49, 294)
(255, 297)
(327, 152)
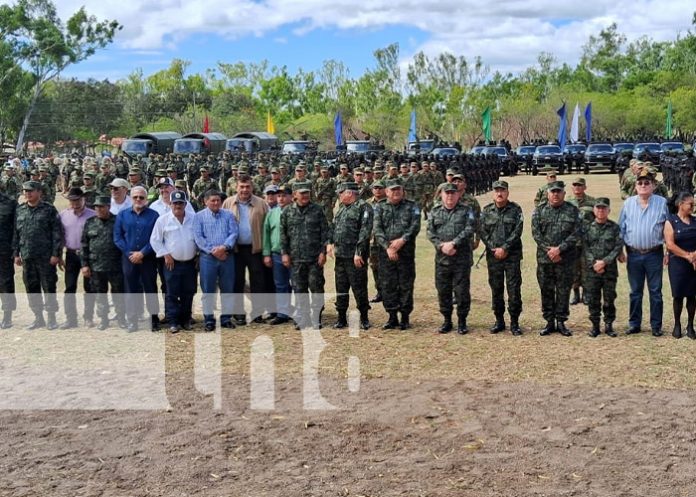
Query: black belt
(73, 251)
(653, 250)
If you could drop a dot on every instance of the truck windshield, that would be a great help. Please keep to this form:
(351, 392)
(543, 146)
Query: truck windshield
(358, 147)
(135, 147)
(187, 146)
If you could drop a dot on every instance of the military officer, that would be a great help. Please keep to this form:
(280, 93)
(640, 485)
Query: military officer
(541, 195)
(325, 192)
(8, 209)
(501, 233)
(378, 195)
(584, 203)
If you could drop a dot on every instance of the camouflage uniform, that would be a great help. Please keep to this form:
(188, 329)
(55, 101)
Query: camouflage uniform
(374, 253)
(601, 242)
(350, 235)
(453, 273)
(556, 227)
(394, 221)
(502, 228)
(8, 209)
(259, 182)
(584, 205)
(325, 193)
(10, 186)
(103, 258)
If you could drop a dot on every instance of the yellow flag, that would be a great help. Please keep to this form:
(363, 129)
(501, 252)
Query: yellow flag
(270, 127)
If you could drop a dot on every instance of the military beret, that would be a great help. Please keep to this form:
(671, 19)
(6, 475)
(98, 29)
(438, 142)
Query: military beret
(500, 184)
(393, 183)
(602, 202)
(347, 185)
(556, 185)
(579, 181)
(31, 185)
(102, 200)
(301, 187)
(449, 187)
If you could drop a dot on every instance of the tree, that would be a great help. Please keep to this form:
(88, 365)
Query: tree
(42, 43)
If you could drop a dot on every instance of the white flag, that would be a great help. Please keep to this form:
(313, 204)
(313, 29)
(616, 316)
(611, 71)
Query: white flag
(574, 127)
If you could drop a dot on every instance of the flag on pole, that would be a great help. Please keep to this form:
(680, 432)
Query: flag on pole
(574, 124)
(338, 129)
(486, 117)
(206, 124)
(562, 126)
(668, 124)
(270, 126)
(588, 122)
(412, 135)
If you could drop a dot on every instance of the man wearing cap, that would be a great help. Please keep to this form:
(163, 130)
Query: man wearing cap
(272, 257)
(37, 247)
(89, 191)
(48, 185)
(135, 178)
(10, 184)
(450, 229)
(501, 233)
(73, 220)
(556, 227)
(642, 222)
(396, 226)
(304, 233)
(378, 195)
(104, 178)
(120, 200)
(173, 240)
(325, 192)
(343, 175)
(602, 245)
(542, 194)
(349, 243)
(101, 262)
(585, 204)
(132, 236)
(8, 210)
(202, 184)
(627, 184)
(259, 181)
(163, 203)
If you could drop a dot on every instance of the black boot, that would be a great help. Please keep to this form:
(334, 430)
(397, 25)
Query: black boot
(364, 320)
(446, 325)
(154, 323)
(515, 326)
(38, 322)
(609, 330)
(405, 323)
(462, 328)
(595, 329)
(392, 322)
(70, 323)
(549, 328)
(499, 324)
(690, 331)
(342, 321)
(104, 324)
(51, 323)
(677, 331)
(6, 320)
(561, 328)
(575, 299)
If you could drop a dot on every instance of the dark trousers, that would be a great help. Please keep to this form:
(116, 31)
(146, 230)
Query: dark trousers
(181, 287)
(307, 277)
(642, 269)
(501, 272)
(100, 283)
(40, 276)
(140, 278)
(7, 285)
(73, 268)
(396, 282)
(348, 276)
(555, 282)
(244, 260)
(454, 277)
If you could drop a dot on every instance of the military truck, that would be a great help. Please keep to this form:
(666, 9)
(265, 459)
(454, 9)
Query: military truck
(252, 142)
(160, 142)
(420, 147)
(200, 143)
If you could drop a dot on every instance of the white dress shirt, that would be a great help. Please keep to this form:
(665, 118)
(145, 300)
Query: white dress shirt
(116, 208)
(169, 236)
(162, 208)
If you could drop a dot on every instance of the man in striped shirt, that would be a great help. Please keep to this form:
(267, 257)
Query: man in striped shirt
(641, 221)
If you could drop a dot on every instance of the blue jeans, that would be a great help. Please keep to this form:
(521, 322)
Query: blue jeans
(217, 274)
(642, 267)
(281, 279)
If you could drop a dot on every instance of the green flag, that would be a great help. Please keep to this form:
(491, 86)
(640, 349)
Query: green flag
(668, 124)
(486, 116)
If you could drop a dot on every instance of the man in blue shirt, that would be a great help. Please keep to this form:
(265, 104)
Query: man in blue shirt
(642, 221)
(215, 232)
(132, 236)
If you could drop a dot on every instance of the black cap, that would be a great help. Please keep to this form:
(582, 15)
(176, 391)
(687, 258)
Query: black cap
(177, 196)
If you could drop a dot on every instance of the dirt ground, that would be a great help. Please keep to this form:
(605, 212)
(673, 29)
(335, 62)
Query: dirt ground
(87, 413)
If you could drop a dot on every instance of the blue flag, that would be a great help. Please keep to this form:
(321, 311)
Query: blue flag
(562, 134)
(412, 128)
(338, 129)
(588, 122)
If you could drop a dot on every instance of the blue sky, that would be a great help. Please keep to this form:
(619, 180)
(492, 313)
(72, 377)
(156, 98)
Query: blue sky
(508, 35)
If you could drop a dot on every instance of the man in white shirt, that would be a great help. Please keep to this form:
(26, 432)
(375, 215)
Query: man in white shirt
(120, 200)
(163, 204)
(173, 238)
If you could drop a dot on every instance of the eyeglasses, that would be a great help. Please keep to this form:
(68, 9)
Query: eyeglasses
(138, 197)
(643, 183)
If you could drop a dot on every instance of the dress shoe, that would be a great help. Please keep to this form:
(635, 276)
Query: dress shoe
(174, 329)
(609, 330)
(446, 327)
(548, 329)
(227, 325)
(677, 331)
(51, 323)
(37, 323)
(377, 298)
(68, 325)
(405, 323)
(515, 327)
(575, 299)
(132, 327)
(186, 326)
(690, 331)
(103, 325)
(279, 320)
(561, 327)
(657, 332)
(633, 330)
(498, 326)
(259, 320)
(392, 322)
(462, 328)
(6, 320)
(209, 327)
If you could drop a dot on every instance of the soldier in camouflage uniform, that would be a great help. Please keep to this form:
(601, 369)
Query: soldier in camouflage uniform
(602, 245)
(627, 184)
(89, 190)
(202, 185)
(49, 185)
(450, 229)
(396, 226)
(104, 178)
(37, 246)
(378, 195)
(411, 186)
(259, 181)
(8, 209)
(556, 227)
(304, 233)
(584, 203)
(101, 262)
(468, 200)
(343, 175)
(10, 184)
(501, 232)
(349, 242)
(542, 193)
(325, 193)
(364, 189)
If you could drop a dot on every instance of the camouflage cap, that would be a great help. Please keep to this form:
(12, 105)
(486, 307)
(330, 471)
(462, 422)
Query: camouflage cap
(300, 167)
(133, 171)
(204, 169)
(285, 189)
(180, 183)
(449, 187)
(579, 182)
(90, 175)
(556, 186)
(450, 172)
(347, 185)
(43, 169)
(29, 186)
(275, 170)
(102, 200)
(392, 184)
(161, 172)
(368, 170)
(602, 202)
(343, 166)
(500, 184)
(170, 169)
(378, 184)
(646, 173)
(551, 173)
(302, 187)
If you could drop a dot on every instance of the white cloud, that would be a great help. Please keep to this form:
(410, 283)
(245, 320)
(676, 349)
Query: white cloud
(508, 34)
